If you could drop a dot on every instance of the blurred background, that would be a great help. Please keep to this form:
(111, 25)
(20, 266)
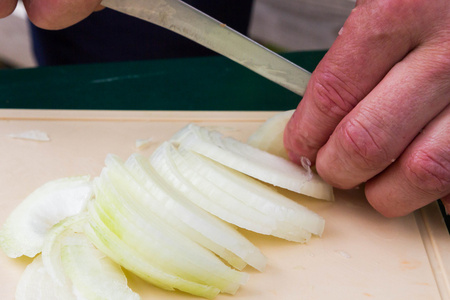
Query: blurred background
(283, 25)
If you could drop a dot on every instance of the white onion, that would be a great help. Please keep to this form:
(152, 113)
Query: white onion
(33, 135)
(169, 219)
(24, 230)
(110, 244)
(35, 283)
(191, 220)
(93, 275)
(269, 136)
(181, 256)
(252, 161)
(288, 215)
(51, 250)
(249, 199)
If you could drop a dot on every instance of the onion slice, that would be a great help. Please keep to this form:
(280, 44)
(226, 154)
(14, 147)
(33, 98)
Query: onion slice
(289, 216)
(205, 194)
(51, 250)
(110, 244)
(32, 135)
(249, 199)
(185, 216)
(35, 283)
(24, 231)
(269, 136)
(252, 161)
(93, 275)
(147, 233)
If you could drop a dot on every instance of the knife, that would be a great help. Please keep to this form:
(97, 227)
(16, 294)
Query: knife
(189, 22)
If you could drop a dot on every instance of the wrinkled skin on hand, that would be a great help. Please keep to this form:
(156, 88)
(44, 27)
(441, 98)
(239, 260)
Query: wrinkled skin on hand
(53, 14)
(377, 108)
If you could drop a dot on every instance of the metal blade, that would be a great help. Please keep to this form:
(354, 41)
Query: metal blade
(187, 21)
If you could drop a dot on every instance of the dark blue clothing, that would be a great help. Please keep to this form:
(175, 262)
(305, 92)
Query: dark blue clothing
(108, 36)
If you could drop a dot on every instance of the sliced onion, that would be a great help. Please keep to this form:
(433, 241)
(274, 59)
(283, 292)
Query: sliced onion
(32, 135)
(110, 244)
(269, 136)
(152, 194)
(252, 161)
(289, 216)
(181, 256)
(158, 219)
(51, 250)
(234, 190)
(206, 195)
(24, 230)
(93, 274)
(35, 283)
(189, 219)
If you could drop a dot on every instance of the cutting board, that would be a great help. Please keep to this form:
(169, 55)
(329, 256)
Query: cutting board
(361, 255)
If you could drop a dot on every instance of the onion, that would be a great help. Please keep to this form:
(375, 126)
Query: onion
(248, 199)
(73, 268)
(123, 217)
(35, 283)
(252, 161)
(32, 135)
(170, 219)
(93, 275)
(206, 194)
(190, 219)
(51, 250)
(24, 230)
(110, 244)
(253, 193)
(269, 136)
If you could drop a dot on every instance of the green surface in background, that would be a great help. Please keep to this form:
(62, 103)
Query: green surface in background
(206, 83)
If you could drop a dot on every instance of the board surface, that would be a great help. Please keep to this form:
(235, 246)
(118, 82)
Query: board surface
(361, 254)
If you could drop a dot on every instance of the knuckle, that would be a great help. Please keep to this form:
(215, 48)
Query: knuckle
(297, 140)
(429, 172)
(393, 20)
(363, 146)
(393, 8)
(332, 94)
(408, 10)
(435, 62)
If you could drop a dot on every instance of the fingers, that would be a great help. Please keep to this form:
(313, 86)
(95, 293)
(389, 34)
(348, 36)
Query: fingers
(420, 176)
(7, 7)
(58, 14)
(380, 128)
(384, 79)
(353, 66)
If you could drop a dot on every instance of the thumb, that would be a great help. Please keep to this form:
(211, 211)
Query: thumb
(59, 14)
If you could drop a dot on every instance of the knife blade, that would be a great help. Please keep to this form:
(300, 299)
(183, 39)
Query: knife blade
(189, 22)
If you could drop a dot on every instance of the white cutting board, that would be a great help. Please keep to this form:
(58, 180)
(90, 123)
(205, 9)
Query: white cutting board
(361, 254)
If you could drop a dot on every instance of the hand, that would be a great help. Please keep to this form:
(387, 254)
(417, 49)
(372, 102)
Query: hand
(377, 109)
(53, 14)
